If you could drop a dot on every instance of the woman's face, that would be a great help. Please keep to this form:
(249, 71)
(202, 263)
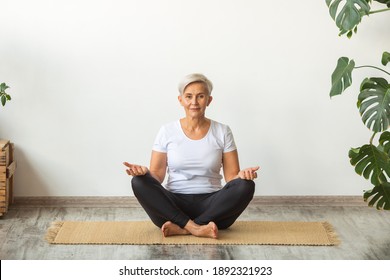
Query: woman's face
(195, 99)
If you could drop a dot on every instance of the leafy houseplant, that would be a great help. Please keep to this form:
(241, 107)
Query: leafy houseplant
(370, 160)
(373, 162)
(4, 97)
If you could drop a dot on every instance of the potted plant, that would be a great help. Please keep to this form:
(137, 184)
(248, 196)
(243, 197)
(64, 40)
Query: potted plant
(372, 161)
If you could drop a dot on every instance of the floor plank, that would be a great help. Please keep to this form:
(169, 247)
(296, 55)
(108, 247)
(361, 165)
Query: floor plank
(363, 232)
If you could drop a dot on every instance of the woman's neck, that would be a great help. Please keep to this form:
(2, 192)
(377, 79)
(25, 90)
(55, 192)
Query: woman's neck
(194, 124)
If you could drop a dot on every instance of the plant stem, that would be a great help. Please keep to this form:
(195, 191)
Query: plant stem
(379, 11)
(372, 138)
(369, 66)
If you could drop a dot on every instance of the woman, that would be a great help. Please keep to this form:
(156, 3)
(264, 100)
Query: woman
(192, 150)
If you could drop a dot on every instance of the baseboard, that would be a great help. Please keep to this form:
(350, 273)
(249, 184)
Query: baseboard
(131, 202)
(76, 201)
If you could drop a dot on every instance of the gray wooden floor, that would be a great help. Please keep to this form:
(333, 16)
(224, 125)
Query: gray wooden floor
(364, 231)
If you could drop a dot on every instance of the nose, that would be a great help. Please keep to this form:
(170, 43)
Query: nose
(194, 100)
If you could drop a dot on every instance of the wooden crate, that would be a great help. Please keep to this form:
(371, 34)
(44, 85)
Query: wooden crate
(7, 169)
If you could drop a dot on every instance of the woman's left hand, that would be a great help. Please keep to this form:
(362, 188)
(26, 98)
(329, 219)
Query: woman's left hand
(248, 173)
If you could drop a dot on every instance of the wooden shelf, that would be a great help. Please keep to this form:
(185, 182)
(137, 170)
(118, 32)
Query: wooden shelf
(7, 169)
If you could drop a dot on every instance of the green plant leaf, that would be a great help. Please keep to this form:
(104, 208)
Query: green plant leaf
(384, 141)
(386, 2)
(3, 100)
(380, 195)
(350, 15)
(374, 103)
(371, 163)
(3, 95)
(385, 57)
(342, 76)
(333, 7)
(3, 87)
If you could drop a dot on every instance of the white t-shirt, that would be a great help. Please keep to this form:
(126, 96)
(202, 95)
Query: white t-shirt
(194, 165)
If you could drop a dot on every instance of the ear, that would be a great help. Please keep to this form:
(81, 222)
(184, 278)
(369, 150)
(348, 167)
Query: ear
(210, 99)
(180, 98)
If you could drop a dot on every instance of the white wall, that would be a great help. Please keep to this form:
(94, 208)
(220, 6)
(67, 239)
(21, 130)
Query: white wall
(92, 81)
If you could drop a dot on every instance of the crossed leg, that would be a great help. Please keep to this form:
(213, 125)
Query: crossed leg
(220, 209)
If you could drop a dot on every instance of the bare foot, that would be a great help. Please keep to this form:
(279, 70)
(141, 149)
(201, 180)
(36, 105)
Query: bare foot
(170, 229)
(210, 230)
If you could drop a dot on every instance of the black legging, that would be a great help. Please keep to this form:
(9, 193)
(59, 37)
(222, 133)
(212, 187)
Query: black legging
(222, 207)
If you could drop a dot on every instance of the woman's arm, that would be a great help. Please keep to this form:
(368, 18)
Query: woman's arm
(231, 168)
(231, 165)
(158, 167)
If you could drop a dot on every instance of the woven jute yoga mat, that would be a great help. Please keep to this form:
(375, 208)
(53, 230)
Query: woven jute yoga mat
(146, 233)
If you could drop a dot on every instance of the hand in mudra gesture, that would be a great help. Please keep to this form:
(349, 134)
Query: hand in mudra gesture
(248, 173)
(135, 170)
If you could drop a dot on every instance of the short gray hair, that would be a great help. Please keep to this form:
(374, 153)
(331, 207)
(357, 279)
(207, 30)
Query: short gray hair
(193, 78)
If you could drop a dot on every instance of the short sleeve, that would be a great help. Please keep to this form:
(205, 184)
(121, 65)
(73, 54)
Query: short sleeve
(230, 145)
(160, 143)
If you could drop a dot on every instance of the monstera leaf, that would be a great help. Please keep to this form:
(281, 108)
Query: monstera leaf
(386, 2)
(384, 142)
(350, 15)
(374, 103)
(380, 195)
(342, 75)
(370, 162)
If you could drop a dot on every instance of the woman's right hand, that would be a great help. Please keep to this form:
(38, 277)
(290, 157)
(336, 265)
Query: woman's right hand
(248, 173)
(135, 170)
